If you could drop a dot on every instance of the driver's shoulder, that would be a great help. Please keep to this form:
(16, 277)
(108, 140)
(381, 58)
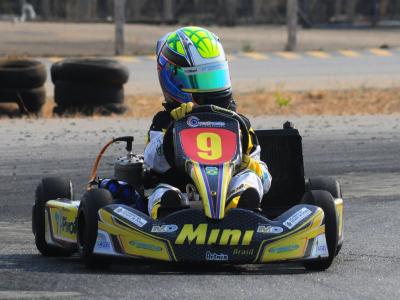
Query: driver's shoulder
(246, 120)
(254, 141)
(161, 121)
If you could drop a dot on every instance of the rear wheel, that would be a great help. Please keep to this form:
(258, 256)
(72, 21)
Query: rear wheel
(50, 188)
(326, 184)
(324, 200)
(88, 218)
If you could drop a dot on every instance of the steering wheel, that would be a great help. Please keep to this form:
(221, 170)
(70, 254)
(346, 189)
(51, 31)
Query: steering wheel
(168, 146)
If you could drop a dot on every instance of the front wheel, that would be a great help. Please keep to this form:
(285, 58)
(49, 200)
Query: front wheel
(50, 188)
(88, 218)
(324, 200)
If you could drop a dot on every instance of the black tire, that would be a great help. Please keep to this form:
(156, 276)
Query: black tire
(50, 188)
(104, 110)
(73, 94)
(90, 71)
(324, 200)
(114, 108)
(339, 247)
(326, 184)
(88, 217)
(33, 99)
(22, 74)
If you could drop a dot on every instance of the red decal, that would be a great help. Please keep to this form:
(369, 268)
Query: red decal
(211, 146)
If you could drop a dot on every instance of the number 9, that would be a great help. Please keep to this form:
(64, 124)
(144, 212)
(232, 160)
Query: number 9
(210, 146)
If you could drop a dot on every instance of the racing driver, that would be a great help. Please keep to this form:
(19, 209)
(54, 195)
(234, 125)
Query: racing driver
(193, 70)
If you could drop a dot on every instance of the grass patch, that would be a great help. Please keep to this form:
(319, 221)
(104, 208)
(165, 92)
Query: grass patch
(362, 101)
(281, 100)
(247, 47)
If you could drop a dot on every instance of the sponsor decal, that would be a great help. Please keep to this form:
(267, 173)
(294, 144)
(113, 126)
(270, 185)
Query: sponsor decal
(243, 252)
(159, 148)
(63, 225)
(201, 235)
(216, 256)
(134, 218)
(284, 249)
(297, 217)
(212, 171)
(146, 246)
(58, 219)
(103, 243)
(269, 229)
(164, 228)
(194, 121)
(320, 248)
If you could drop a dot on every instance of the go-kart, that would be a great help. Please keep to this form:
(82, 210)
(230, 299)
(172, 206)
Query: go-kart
(299, 220)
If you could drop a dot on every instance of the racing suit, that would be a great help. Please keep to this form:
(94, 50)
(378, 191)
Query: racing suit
(255, 174)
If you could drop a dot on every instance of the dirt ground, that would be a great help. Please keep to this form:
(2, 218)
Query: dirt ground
(69, 39)
(341, 102)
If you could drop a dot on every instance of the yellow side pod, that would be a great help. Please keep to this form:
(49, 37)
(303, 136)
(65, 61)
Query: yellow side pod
(62, 220)
(133, 241)
(294, 246)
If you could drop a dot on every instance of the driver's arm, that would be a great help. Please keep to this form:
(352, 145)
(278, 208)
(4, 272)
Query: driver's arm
(153, 153)
(251, 160)
(254, 164)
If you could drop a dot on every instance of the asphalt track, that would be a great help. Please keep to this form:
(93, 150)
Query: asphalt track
(362, 152)
(374, 68)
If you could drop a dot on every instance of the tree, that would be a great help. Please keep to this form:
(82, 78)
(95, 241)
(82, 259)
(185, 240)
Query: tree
(168, 15)
(350, 10)
(119, 13)
(291, 19)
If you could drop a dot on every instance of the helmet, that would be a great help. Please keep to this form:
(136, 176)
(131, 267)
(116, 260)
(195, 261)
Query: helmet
(192, 67)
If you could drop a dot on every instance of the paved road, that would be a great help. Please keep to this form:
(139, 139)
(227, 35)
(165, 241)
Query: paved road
(362, 152)
(282, 70)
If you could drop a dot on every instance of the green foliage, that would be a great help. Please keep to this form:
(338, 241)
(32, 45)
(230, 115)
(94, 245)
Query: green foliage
(247, 47)
(281, 100)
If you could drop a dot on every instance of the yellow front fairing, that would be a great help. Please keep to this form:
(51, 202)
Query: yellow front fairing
(294, 245)
(133, 241)
(242, 236)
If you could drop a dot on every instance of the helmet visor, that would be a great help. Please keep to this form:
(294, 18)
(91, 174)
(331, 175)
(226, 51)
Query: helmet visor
(205, 78)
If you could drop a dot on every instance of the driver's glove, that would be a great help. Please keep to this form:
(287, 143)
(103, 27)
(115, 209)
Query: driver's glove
(251, 164)
(181, 111)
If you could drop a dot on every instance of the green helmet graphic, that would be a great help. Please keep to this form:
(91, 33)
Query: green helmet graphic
(205, 42)
(192, 66)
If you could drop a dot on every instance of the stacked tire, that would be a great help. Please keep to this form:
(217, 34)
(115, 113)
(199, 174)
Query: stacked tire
(22, 81)
(88, 85)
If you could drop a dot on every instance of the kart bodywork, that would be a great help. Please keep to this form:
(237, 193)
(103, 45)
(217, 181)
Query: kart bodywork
(242, 236)
(286, 229)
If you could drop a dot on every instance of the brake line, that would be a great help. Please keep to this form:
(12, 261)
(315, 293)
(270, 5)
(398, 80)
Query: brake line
(93, 175)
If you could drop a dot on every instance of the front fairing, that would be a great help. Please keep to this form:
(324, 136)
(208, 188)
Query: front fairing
(243, 236)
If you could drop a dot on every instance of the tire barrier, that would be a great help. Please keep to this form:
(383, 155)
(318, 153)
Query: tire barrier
(22, 81)
(104, 110)
(88, 85)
